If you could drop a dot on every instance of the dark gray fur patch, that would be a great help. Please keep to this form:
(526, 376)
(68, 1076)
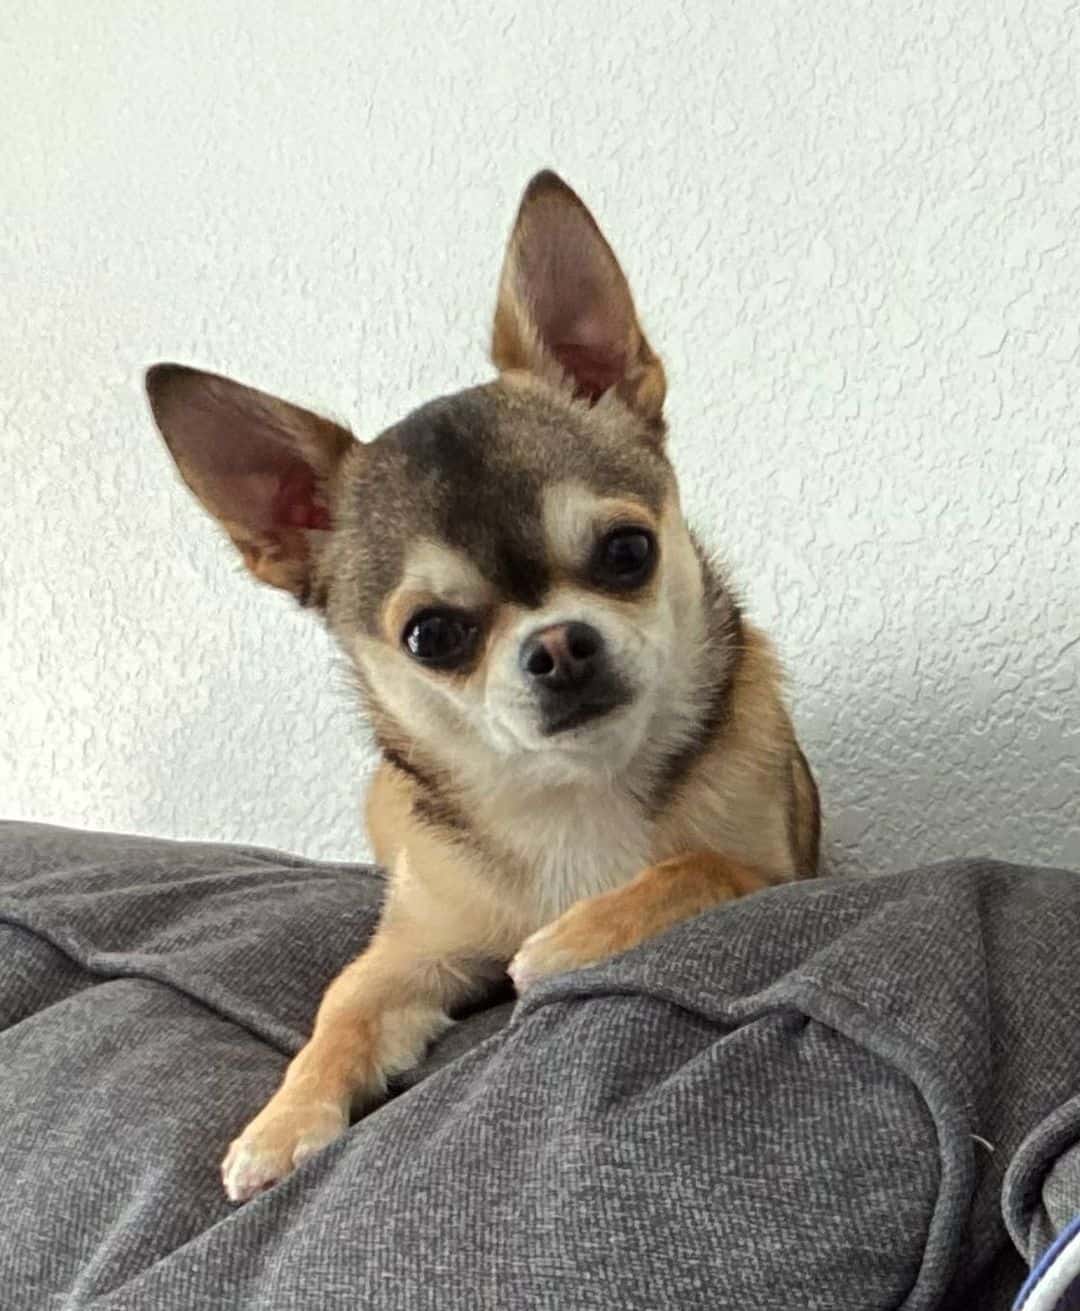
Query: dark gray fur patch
(469, 470)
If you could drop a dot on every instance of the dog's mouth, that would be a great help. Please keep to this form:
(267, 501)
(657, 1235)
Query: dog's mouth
(559, 719)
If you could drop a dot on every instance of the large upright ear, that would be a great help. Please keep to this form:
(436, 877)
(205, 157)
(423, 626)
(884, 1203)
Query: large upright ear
(262, 467)
(565, 311)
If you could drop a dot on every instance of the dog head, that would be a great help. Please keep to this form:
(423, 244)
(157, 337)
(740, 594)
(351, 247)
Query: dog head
(507, 567)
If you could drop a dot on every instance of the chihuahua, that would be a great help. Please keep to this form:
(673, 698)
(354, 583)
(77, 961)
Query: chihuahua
(583, 741)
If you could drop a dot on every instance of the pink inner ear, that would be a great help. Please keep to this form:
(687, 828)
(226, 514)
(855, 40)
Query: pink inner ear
(594, 369)
(295, 504)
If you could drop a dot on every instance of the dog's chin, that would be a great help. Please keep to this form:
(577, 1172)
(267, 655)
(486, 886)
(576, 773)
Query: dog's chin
(586, 742)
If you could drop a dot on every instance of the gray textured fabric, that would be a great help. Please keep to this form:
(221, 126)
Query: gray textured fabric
(770, 1107)
(1042, 1187)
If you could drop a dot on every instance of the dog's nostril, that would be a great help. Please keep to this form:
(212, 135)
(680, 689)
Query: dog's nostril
(581, 642)
(539, 661)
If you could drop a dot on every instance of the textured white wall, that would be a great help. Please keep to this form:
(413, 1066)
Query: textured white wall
(851, 229)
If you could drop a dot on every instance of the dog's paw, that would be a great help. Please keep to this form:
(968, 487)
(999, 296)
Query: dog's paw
(286, 1132)
(582, 936)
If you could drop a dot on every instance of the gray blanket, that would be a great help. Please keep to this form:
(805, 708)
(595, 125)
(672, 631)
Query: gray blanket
(831, 1095)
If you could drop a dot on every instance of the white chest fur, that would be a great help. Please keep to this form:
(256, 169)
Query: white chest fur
(574, 842)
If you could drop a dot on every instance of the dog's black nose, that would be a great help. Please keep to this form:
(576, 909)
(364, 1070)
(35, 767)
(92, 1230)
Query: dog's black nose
(563, 656)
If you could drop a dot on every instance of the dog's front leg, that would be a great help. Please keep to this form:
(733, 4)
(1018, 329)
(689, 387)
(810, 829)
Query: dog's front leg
(374, 1021)
(606, 925)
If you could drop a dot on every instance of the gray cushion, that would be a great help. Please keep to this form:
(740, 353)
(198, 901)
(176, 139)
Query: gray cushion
(772, 1106)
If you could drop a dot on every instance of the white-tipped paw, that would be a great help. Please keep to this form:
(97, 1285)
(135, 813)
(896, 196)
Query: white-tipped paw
(529, 964)
(585, 934)
(282, 1135)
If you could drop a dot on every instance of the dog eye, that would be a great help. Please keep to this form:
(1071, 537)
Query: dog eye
(441, 638)
(624, 558)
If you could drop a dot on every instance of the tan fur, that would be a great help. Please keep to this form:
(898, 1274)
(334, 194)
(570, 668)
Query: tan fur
(737, 799)
(510, 844)
(661, 896)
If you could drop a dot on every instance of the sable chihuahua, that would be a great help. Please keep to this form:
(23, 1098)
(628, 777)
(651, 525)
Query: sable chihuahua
(582, 740)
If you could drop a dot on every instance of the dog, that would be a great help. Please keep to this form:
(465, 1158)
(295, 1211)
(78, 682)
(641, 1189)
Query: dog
(583, 740)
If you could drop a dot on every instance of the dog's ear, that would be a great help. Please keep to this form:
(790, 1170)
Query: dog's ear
(262, 467)
(565, 311)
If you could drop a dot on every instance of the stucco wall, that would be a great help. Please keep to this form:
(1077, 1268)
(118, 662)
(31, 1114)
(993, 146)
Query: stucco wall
(851, 230)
